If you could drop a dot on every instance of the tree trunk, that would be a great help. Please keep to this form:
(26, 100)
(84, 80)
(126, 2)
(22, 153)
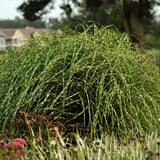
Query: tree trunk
(127, 26)
(131, 21)
(137, 23)
(125, 17)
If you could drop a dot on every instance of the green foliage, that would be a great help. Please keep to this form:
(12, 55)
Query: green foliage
(157, 43)
(34, 9)
(150, 39)
(21, 23)
(154, 54)
(90, 77)
(103, 16)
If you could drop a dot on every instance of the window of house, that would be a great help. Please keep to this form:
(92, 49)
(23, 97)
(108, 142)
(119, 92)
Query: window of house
(15, 41)
(1, 41)
(9, 41)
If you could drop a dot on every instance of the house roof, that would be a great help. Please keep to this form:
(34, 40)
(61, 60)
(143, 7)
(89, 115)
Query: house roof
(2, 34)
(8, 31)
(29, 30)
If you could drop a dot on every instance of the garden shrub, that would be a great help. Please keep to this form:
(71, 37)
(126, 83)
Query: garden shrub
(96, 79)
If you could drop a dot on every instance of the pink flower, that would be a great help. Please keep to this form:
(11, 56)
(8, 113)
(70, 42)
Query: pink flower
(21, 152)
(20, 111)
(29, 122)
(66, 139)
(33, 120)
(15, 145)
(43, 117)
(20, 140)
(2, 143)
(26, 114)
(19, 120)
(38, 139)
(54, 129)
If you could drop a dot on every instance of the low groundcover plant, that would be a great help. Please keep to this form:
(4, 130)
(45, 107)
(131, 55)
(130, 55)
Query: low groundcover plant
(14, 149)
(105, 147)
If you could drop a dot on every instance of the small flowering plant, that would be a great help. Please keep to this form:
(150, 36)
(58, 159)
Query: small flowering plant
(34, 120)
(14, 145)
(20, 140)
(14, 149)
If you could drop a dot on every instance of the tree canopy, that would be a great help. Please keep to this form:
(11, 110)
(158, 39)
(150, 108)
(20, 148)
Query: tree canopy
(132, 12)
(34, 9)
(21, 23)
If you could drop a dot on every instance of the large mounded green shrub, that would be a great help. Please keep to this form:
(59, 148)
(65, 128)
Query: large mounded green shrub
(82, 77)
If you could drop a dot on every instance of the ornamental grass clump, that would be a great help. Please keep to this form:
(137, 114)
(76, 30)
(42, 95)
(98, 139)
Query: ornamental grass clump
(93, 78)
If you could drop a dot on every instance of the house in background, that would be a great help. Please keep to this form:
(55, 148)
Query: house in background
(2, 41)
(6, 37)
(15, 37)
(20, 34)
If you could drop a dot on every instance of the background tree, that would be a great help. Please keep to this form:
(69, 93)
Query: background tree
(103, 16)
(21, 23)
(53, 23)
(132, 12)
(152, 32)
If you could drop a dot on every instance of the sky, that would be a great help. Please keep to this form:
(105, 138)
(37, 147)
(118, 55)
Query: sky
(8, 9)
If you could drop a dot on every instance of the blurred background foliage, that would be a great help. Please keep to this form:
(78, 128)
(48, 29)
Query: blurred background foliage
(101, 12)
